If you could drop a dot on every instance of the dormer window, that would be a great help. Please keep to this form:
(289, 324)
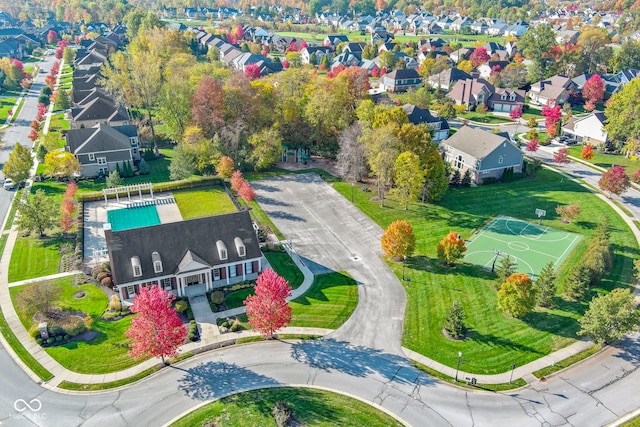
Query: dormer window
(137, 268)
(512, 97)
(240, 247)
(504, 96)
(222, 250)
(157, 262)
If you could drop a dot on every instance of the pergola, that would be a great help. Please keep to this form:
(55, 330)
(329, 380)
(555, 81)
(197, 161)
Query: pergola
(127, 189)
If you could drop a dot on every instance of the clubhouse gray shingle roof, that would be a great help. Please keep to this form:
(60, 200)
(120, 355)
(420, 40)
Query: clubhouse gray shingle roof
(476, 142)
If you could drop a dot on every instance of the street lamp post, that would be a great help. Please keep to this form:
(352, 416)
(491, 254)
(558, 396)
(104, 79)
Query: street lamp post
(513, 367)
(404, 262)
(458, 367)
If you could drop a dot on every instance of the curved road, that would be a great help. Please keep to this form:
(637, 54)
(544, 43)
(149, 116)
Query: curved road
(362, 358)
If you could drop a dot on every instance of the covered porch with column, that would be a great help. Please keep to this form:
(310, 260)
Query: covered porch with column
(193, 276)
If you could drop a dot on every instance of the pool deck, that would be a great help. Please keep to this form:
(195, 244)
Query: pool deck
(95, 216)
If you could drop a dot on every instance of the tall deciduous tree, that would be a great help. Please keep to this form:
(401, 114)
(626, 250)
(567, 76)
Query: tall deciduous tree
(610, 317)
(352, 160)
(236, 180)
(517, 296)
(247, 192)
(532, 145)
(593, 92)
(266, 148)
(39, 297)
(622, 112)
(68, 207)
(156, 330)
(614, 181)
(546, 285)
(409, 178)
(561, 156)
(225, 167)
(37, 213)
(19, 164)
(61, 164)
(398, 239)
(536, 45)
(451, 248)
(382, 151)
(267, 309)
(594, 46)
(208, 106)
(479, 56)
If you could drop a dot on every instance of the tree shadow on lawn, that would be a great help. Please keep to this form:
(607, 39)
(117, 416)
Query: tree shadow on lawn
(213, 380)
(358, 361)
(316, 292)
(436, 266)
(495, 341)
(545, 321)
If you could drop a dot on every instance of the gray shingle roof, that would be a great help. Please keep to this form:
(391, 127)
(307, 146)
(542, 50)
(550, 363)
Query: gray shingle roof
(476, 142)
(172, 241)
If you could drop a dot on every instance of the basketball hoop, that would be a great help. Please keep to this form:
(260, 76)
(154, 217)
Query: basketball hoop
(540, 213)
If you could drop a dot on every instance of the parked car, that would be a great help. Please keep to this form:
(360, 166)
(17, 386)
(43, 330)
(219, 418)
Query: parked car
(570, 142)
(9, 184)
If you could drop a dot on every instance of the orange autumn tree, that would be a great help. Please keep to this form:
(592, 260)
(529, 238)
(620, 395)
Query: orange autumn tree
(398, 239)
(587, 152)
(517, 296)
(451, 248)
(225, 167)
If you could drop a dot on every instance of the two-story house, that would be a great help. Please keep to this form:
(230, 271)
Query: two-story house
(400, 80)
(438, 125)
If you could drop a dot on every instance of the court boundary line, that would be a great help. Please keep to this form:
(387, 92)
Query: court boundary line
(568, 247)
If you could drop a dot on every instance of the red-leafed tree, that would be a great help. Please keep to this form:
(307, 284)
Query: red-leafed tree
(285, 64)
(293, 47)
(208, 106)
(614, 181)
(236, 180)
(68, 207)
(357, 82)
(225, 167)
(52, 37)
(516, 113)
(303, 45)
(561, 156)
(55, 68)
(252, 71)
(375, 72)
(42, 110)
(59, 53)
(479, 56)
(587, 152)
(267, 309)
(156, 330)
(553, 116)
(33, 135)
(636, 177)
(247, 192)
(35, 125)
(532, 145)
(593, 92)
(451, 248)
(238, 33)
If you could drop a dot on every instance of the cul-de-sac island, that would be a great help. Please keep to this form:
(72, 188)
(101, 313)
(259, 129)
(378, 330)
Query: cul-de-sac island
(320, 213)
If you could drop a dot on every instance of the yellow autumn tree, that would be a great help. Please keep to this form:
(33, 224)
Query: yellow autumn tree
(451, 248)
(398, 240)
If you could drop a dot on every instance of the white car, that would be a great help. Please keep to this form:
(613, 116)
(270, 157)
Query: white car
(9, 184)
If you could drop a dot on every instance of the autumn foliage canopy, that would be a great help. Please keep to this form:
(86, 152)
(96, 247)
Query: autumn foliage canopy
(267, 309)
(398, 239)
(451, 248)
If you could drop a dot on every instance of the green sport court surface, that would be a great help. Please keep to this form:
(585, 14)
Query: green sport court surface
(125, 219)
(530, 245)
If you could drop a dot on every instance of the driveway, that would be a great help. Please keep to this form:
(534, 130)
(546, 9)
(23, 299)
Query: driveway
(332, 235)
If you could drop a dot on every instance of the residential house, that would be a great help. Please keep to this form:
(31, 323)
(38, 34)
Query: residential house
(400, 80)
(517, 29)
(102, 148)
(347, 59)
(448, 77)
(335, 39)
(460, 23)
(187, 258)
(91, 59)
(482, 153)
(437, 124)
(314, 51)
(589, 129)
(565, 36)
(471, 92)
(505, 100)
(461, 54)
(101, 109)
(11, 48)
(486, 68)
(479, 27)
(497, 28)
(553, 91)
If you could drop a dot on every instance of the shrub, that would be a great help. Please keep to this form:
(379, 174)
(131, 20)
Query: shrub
(237, 326)
(76, 328)
(51, 340)
(59, 338)
(106, 281)
(39, 340)
(88, 322)
(34, 331)
(101, 276)
(217, 297)
(114, 303)
(181, 306)
(56, 330)
(191, 336)
(67, 337)
(281, 413)
(489, 180)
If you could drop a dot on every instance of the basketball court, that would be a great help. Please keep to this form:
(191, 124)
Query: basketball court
(530, 245)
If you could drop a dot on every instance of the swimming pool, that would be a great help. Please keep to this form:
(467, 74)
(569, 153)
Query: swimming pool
(126, 219)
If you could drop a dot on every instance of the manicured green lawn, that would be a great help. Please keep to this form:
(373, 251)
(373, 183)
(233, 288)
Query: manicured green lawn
(108, 352)
(310, 407)
(495, 341)
(285, 267)
(201, 202)
(236, 299)
(7, 104)
(607, 160)
(327, 304)
(34, 257)
(58, 122)
(484, 118)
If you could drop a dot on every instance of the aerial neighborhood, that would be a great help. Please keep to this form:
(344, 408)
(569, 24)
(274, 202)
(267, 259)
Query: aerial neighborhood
(427, 213)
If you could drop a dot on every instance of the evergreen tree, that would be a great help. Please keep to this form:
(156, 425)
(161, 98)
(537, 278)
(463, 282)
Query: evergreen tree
(114, 179)
(455, 178)
(325, 61)
(41, 151)
(466, 179)
(118, 169)
(454, 322)
(576, 286)
(506, 268)
(143, 167)
(546, 285)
